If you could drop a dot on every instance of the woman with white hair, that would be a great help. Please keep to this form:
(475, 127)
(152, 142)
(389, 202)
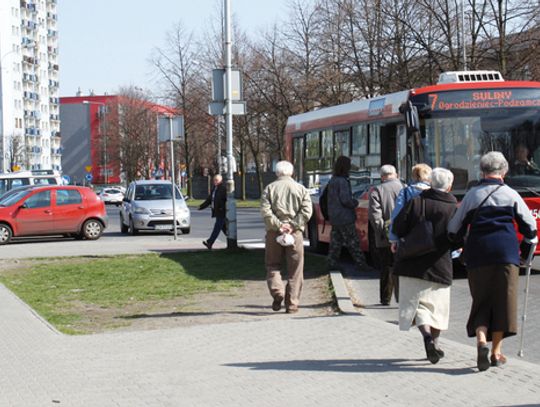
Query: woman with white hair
(424, 297)
(487, 213)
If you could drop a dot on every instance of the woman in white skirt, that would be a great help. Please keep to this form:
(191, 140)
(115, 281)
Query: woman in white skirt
(424, 297)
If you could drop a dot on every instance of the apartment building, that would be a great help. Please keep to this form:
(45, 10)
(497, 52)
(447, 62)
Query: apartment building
(29, 102)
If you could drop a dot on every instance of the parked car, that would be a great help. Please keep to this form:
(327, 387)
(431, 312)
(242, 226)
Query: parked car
(51, 210)
(112, 195)
(148, 205)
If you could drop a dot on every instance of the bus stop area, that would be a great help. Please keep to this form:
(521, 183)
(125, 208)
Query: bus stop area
(357, 360)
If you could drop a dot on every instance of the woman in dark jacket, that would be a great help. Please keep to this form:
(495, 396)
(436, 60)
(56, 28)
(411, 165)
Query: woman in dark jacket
(424, 281)
(342, 214)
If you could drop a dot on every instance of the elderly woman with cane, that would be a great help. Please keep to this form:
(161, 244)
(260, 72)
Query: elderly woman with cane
(492, 255)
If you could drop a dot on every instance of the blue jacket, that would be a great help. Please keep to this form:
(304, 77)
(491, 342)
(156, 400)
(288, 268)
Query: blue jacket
(491, 236)
(404, 196)
(341, 205)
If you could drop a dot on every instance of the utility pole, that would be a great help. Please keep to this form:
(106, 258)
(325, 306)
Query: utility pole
(231, 203)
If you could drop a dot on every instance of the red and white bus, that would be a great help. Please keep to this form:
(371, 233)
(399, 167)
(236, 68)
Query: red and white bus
(450, 124)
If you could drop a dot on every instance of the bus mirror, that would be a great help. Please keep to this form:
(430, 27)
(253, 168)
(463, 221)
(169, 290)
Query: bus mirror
(411, 116)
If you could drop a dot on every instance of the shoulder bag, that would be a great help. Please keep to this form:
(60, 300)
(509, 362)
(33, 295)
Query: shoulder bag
(419, 240)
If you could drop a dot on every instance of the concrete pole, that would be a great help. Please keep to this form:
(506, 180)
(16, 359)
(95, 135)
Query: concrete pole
(231, 204)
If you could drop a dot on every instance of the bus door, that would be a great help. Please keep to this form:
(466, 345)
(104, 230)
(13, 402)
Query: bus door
(403, 163)
(389, 145)
(298, 159)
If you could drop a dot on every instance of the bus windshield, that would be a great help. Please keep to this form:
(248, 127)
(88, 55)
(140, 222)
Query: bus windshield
(457, 140)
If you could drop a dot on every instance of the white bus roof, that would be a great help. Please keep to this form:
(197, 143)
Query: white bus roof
(384, 106)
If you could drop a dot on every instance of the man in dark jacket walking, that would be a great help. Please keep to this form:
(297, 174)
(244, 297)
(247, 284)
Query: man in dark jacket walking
(217, 199)
(382, 200)
(342, 216)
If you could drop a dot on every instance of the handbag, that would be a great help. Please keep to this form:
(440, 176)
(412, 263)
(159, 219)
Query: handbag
(419, 240)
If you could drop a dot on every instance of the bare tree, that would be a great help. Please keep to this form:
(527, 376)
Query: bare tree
(132, 133)
(15, 151)
(179, 67)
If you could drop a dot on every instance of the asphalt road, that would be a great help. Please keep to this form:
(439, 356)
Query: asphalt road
(250, 231)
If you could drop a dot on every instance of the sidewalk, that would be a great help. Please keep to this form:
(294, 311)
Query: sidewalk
(328, 361)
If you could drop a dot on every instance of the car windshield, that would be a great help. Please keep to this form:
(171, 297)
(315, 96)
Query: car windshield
(112, 191)
(153, 192)
(14, 196)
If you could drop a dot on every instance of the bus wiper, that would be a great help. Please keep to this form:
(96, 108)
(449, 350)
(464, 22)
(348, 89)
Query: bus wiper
(532, 191)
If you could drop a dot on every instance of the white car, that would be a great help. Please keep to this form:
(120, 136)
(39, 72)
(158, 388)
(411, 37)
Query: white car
(111, 195)
(148, 206)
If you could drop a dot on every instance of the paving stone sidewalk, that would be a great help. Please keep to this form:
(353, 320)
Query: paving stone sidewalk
(328, 361)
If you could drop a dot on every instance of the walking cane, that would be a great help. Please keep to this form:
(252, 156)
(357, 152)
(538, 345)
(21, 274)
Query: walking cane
(528, 266)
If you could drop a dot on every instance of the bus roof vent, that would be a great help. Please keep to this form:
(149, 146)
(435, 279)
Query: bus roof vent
(469, 76)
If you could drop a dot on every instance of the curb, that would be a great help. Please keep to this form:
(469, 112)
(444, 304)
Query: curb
(343, 297)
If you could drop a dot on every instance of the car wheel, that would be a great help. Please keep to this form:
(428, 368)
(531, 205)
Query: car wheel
(185, 231)
(5, 233)
(132, 229)
(92, 229)
(123, 227)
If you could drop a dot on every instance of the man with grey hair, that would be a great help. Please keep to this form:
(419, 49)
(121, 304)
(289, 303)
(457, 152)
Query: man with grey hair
(487, 214)
(382, 200)
(286, 208)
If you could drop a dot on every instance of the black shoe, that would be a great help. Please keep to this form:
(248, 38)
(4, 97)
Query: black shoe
(431, 352)
(208, 245)
(440, 352)
(482, 359)
(276, 305)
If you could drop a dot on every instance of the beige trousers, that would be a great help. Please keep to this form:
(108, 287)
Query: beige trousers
(294, 259)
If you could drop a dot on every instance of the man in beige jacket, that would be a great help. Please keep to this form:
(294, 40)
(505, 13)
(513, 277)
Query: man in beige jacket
(286, 207)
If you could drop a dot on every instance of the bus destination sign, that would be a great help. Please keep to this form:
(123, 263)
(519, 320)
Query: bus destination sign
(484, 99)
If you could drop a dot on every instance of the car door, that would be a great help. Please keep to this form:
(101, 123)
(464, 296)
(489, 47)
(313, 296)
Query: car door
(69, 210)
(125, 208)
(35, 215)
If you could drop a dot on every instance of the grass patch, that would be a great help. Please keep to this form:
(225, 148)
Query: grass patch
(66, 290)
(248, 203)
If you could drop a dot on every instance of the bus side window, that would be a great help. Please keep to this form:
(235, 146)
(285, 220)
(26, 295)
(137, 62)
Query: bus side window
(19, 182)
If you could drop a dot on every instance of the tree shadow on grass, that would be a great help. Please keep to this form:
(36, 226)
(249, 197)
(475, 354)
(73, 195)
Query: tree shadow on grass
(240, 264)
(357, 366)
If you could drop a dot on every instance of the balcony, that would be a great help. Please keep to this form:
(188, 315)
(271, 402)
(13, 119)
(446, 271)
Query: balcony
(54, 117)
(30, 60)
(57, 151)
(55, 134)
(53, 84)
(54, 101)
(34, 149)
(53, 67)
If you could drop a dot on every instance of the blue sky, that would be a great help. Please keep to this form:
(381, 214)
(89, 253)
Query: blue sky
(105, 44)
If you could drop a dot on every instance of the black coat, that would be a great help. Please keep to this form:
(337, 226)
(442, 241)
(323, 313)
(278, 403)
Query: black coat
(435, 266)
(220, 199)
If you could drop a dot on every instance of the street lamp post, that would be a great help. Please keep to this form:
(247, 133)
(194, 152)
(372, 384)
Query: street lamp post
(231, 203)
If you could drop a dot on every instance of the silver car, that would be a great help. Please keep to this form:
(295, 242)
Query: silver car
(147, 205)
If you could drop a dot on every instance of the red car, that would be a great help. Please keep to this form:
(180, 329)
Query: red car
(51, 210)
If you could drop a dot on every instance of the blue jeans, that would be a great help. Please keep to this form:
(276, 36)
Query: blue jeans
(218, 227)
